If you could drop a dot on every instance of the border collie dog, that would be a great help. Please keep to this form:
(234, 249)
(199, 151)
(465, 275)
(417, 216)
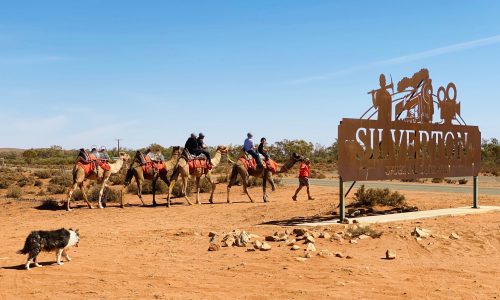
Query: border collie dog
(55, 240)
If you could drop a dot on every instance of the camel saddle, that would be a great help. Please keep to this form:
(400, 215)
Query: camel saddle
(250, 163)
(198, 163)
(92, 163)
(148, 165)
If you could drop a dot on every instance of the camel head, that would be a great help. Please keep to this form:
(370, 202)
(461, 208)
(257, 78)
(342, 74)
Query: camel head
(297, 157)
(124, 156)
(176, 150)
(223, 149)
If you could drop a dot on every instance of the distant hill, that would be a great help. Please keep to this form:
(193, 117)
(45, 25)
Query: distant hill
(11, 150)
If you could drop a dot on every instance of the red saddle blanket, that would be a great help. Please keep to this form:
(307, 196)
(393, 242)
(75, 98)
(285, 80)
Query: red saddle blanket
(197, 163)
(89, 167)
(151, 167)
(251, 164)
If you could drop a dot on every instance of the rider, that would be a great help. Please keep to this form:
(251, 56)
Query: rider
(203, 148)
(248, 147)
(192, 146)
(262, 148)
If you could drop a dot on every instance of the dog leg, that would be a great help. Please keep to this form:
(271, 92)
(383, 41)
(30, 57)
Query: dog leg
(58, 257)
(28, 262)
(65, 253)
(36, 263)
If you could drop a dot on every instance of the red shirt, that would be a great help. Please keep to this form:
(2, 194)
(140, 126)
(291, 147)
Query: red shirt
(304, 170)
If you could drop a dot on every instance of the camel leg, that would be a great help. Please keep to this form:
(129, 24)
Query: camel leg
(212, 183)
(154, 192)
(101, 192)
(70, 194)
(82, 188)
(264, 187)
(184, 189)
(232, 181)
(121, 196)
(244, 179)
(271, 181)
(139, 191)
(169, 191)
(198, 190)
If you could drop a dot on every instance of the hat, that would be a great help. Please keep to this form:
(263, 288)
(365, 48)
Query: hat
(249, 135)
(201, 135)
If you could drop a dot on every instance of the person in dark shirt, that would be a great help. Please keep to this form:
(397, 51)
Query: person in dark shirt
(193, 147)
(262, 148)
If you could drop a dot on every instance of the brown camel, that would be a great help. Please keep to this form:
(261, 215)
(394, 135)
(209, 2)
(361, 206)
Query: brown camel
(182, 169)
(135, 171)
(101, 177)
(259, 172)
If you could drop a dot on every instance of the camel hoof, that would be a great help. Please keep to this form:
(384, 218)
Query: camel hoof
(68, 209)
(211, 201)
(154, 204)
(91, 207)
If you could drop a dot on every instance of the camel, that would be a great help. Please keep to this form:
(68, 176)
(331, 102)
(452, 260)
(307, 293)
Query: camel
(102, 176)
(259, 172)
(135, 171)
(182, 169)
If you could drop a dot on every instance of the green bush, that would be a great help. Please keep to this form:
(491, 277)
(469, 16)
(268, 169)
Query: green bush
(23, 181)
(38, 182)
(147, 187)
(14, 192)
(118, 178)
(437, 180)
(356, 231)
(108, 195)
(64, 180)
(462, 181)
(4, 183)
(44, 174)
(384, 197)
(56, 189)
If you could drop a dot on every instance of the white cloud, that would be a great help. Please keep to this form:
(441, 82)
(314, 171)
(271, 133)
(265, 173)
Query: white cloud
(405, 58)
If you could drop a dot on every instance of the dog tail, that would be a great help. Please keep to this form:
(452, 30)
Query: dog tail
(20, 251)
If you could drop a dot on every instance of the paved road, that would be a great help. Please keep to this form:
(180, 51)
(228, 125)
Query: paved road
(402, 186)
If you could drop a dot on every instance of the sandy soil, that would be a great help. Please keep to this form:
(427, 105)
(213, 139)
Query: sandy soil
(160, 253)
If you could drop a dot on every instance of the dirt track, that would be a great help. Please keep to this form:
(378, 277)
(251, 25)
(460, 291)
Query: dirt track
(143, 252)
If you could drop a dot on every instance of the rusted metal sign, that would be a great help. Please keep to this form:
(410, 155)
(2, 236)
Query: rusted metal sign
(409, 146)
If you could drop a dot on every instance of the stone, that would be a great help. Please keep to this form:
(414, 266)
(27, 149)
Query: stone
(251, 249)
(390, 254)
(301, 259)
(353, 241)
(213, 247)
(228, 241)
(308, 255)
(336, 237)
(282, 237)
(349, 257)
(265, 247)
(290, 242)
(288, 231)
(316, 234)
(310, 239)
(454, 236)
(324, 235)
(310, 247)
(212, 239)
(421, 233)
(257, 244)
(212, 233)
(243, 239)
(363, 237)
(295, 248)
(272, 238)
(339, 254)
(325, 253)
(299, 231)
(253, 236)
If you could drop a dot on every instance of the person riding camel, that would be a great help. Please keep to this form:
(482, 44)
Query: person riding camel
(249, 147)
(263, 150)
(193, 147)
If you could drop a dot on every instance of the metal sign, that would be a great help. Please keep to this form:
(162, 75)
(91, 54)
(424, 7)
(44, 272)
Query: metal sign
(411, 145)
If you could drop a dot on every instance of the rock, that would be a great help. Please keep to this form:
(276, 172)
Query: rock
(299, 231)
(308, 255)
(272, 238)
(257, 244)
(290, 242)
(228, 241)
(282, 237)
(353, 241)
(265, 247)
(310, 247)
(349, 257)
(325, 253)
(363, 237)
(336, 237)
(454, 236)
(310, 239)
(421, 233)
(324, 235)
(339, 254)
(295, 248)
(213, 247)
(253, 236)
(212, 233)
(243, 239)
(301, 259)
(288, 231)
(316, 234)
(212, 239)
(390, 254)
(251, 249)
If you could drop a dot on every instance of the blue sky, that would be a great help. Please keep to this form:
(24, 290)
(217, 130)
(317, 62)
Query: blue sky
(77, 73)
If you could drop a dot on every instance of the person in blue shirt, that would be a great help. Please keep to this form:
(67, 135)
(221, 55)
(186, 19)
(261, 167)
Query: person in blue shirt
(248, 147)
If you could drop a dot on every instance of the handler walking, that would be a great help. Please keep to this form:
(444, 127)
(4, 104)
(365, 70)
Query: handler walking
(304, 173)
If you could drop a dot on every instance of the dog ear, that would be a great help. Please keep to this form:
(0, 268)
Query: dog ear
(77, 230)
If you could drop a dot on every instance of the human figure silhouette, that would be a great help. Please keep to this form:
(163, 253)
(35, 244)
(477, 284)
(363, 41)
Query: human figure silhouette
(382, 101)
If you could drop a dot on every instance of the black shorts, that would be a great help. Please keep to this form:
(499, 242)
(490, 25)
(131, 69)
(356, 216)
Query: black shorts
(304, 181)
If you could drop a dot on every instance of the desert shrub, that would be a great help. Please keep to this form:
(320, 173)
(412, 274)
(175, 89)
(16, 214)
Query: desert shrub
(49, 204)
(41, 193)
(108, 194)
(23, 181)
(4, 183)
(38, 182)
(223, 178)
(372, 197)
(118, 178)
(450, 181)
(43, 174)
(14, 192)
(437, 180)
(462, 181)
(64, 180)
(177, 190)
(317, 174)
(20, 170)
(356, 231)
(56, 189)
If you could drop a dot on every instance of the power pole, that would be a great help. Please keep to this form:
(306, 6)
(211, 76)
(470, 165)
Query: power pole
(118, 140)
